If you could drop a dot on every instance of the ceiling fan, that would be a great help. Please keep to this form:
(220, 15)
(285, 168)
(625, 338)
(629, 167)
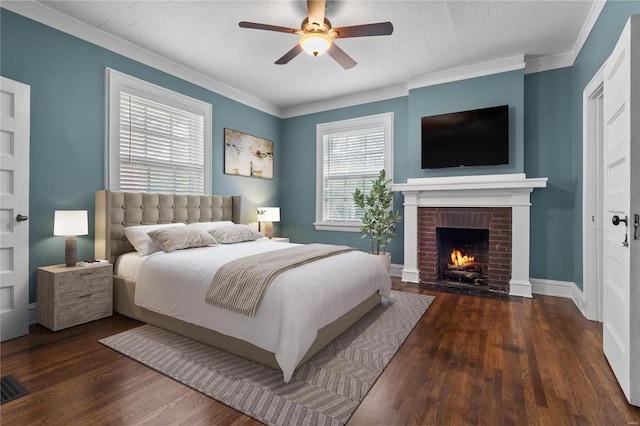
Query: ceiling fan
(317, 35)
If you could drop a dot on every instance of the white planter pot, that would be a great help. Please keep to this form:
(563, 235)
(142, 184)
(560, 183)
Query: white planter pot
(385, 259)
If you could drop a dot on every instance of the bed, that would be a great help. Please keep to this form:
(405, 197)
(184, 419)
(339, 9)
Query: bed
(300, 312)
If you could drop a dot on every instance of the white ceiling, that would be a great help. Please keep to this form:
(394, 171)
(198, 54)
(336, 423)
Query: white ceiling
(202, 39)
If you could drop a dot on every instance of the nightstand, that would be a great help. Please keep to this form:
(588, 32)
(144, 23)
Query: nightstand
(68, 296)
(279, 239)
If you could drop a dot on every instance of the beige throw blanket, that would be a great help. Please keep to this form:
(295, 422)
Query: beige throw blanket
(239, 285)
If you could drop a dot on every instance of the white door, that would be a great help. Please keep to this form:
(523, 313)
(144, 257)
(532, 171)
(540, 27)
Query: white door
(14, 208)
(621, 289)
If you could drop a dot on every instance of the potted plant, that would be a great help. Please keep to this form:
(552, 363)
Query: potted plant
(378, 218)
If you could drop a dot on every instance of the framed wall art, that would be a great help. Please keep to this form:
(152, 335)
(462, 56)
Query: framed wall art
(246, 155)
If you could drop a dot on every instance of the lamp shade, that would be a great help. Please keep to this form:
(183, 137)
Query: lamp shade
(70, 222)
(315, 43)
(269, 214)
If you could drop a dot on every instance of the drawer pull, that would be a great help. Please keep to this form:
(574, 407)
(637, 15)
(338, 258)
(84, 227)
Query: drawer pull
(84, 296)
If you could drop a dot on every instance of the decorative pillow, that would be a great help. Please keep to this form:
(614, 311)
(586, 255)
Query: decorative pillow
(230, 234)
(137, 236)
(181, 237)
(207, 226)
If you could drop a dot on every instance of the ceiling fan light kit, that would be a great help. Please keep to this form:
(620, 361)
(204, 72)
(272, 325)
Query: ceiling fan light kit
(315, 43)
(317, 35)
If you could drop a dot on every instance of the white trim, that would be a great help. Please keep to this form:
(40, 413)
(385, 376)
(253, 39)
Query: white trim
(115, 82)
(347, 101)
(507, 190)
(335, 226)
(396, 270)
(385, 120)
(543, 287)
(551, 62)
(54, 19)
(552, 287)
(589, 23)
(481, 69)
(564, 289)
(566, 59)
(592, 169)
(33, 314)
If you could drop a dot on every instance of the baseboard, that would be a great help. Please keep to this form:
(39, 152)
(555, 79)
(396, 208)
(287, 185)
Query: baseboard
(396, 270)
(564, 289)
(552, 287)
(33, 318)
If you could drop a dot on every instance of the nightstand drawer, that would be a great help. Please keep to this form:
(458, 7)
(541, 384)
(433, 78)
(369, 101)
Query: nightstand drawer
(70, 288)
(85, 309)
(80, 273)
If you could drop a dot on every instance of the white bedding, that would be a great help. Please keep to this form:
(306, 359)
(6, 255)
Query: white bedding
(298, 303)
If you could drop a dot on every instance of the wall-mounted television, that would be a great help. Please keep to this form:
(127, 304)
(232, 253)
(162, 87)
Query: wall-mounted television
(478, 137)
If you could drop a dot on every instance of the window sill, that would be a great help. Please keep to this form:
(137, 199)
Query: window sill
(337, 226)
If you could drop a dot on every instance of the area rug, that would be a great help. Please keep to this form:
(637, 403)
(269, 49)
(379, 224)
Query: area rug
(325, 390)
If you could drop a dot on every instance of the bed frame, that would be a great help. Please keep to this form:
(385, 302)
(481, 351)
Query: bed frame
(116, 210)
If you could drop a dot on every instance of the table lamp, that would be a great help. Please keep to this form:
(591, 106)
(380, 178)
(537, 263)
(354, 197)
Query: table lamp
(69, 223)
(268, 215)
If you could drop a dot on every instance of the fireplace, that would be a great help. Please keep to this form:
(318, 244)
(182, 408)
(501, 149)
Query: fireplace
(493, 202)
(463, 257)
(448, 239)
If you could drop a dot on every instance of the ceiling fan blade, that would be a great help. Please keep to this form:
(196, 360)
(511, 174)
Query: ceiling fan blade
(341, 57)
(256, 26)
(315, 9)
(366, 30)
(290, 55)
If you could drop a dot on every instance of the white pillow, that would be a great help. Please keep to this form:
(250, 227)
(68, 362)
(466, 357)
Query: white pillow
(206, 226)
(180, 237)
(234, 234)
(137, 236)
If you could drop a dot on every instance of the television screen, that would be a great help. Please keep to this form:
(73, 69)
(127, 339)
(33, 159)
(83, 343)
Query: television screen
(478, 137)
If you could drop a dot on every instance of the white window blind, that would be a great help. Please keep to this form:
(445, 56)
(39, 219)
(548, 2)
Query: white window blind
(158, 140)
(350, 155)
(161, 147)
(351, 160)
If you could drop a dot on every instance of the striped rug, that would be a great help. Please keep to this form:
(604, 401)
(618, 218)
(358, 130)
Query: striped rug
(325, 390)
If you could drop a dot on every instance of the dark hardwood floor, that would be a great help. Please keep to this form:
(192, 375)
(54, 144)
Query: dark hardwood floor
(470, 360)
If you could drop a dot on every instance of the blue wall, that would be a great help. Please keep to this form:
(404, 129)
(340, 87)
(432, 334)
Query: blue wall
(67, 79)
(547, 153)
(298, 196)
(66, 76)
(298, 180)
(498, 89)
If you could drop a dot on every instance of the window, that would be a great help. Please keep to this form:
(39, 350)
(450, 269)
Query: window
(158, 140)
(349, 155)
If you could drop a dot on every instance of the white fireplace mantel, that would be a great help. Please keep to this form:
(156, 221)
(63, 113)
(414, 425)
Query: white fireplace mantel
(506, 190)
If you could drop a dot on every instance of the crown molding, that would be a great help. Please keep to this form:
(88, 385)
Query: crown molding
(347, 101)
(481, 69)
(54, 19)
(589, 23)
(547, 63)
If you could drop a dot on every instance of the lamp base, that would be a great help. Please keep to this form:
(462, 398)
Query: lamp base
(70, 251)
(268, 229)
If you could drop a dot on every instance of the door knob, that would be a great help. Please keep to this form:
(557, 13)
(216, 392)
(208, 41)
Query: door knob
(21, 218)
(616, 220)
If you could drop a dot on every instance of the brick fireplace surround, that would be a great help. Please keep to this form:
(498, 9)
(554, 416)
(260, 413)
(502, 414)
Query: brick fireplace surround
(497, 220)
(480, 194)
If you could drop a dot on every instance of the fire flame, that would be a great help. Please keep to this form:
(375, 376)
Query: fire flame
(458, 259)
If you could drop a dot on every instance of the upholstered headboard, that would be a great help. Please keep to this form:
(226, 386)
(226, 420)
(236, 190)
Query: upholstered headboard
(117, 210)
